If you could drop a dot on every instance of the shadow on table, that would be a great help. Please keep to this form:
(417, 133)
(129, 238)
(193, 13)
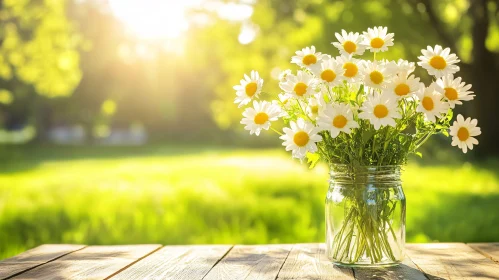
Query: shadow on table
(401, 271)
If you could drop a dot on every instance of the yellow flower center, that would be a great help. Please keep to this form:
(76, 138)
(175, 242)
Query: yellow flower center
(301, 138)
(377, 43)
(438, 62)
(402, 89)
(463, 134)
(314, 109)
(380, 111)
(261, 118)
(376, 77)
(428, 103)
(300, 89)
(351, 69)
(251, 89)
(339, 121)
(451, 93)
(309, 59)
(349, 46)
(328, 75)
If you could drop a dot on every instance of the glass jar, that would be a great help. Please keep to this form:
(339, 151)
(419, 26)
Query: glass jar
(365, 216)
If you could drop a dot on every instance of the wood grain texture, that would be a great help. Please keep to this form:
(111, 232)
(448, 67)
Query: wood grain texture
(452, 261)
(309, 261)
(93, 262)
(301, 261)
(176, 262)
(406, 270)
(251, 262)
(490, 250)
(34, 257)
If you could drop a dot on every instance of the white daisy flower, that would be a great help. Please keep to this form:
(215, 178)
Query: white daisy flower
(463, 132)
(438, 62)
(431, 103)
(349, 43)
(455, 91)
(380, 110)
(301, 138)
(402, 86)
(315, 105)
(260, 116)
(250, 88)
(337, 118)
(376, 75)
(405, 67)
(351, 66)
(301, 85)
(284, 74)
(377, 39)
(307, 57)
(330, 72)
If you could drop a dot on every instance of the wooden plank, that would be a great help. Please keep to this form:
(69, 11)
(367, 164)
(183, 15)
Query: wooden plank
(406, 270)
(452, 261)
(34, 257)
(176, 262)
(93, 262)
(251, 262)
(490, 250)
(11, 269)
(309, 261)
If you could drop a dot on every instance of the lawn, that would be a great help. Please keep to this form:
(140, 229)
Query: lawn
(186, 195)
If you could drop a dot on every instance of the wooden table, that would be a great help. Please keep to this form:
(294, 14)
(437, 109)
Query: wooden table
(293, 261)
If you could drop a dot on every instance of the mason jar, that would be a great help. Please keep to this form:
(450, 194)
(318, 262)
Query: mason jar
(365, 215)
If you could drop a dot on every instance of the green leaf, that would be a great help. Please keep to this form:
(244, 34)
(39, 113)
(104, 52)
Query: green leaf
(450, 114)
(367, 135)
(419, 154)
(361, 90)
(313, 159)
(359, 93)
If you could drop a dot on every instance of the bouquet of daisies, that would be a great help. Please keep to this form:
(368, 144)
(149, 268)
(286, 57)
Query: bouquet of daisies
(360, 112)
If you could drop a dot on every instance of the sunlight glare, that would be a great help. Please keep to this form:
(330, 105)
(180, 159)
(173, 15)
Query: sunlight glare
(168, 20)
(235, 12)
(248, 33)
(153, 19)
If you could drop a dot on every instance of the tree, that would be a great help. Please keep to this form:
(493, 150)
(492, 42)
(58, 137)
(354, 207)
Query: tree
(39, 56)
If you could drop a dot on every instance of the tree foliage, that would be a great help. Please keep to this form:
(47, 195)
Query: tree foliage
(39, 47)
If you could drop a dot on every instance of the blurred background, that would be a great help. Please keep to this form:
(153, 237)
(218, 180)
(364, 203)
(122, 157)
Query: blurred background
(117, 122)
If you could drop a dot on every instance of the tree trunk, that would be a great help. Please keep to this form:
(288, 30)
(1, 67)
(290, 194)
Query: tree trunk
(485, 80)
(42, 118)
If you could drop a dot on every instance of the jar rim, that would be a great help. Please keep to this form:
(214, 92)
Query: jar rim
(364, 168)
(349, 165)
(347, 174)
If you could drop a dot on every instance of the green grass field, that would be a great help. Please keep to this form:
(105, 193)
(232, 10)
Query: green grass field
(186, 195)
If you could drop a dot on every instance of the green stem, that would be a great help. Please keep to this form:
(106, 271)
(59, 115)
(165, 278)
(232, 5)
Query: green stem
(425, 138)
(303, 111)
(276, 131)
(365, 229)
(330, 95)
